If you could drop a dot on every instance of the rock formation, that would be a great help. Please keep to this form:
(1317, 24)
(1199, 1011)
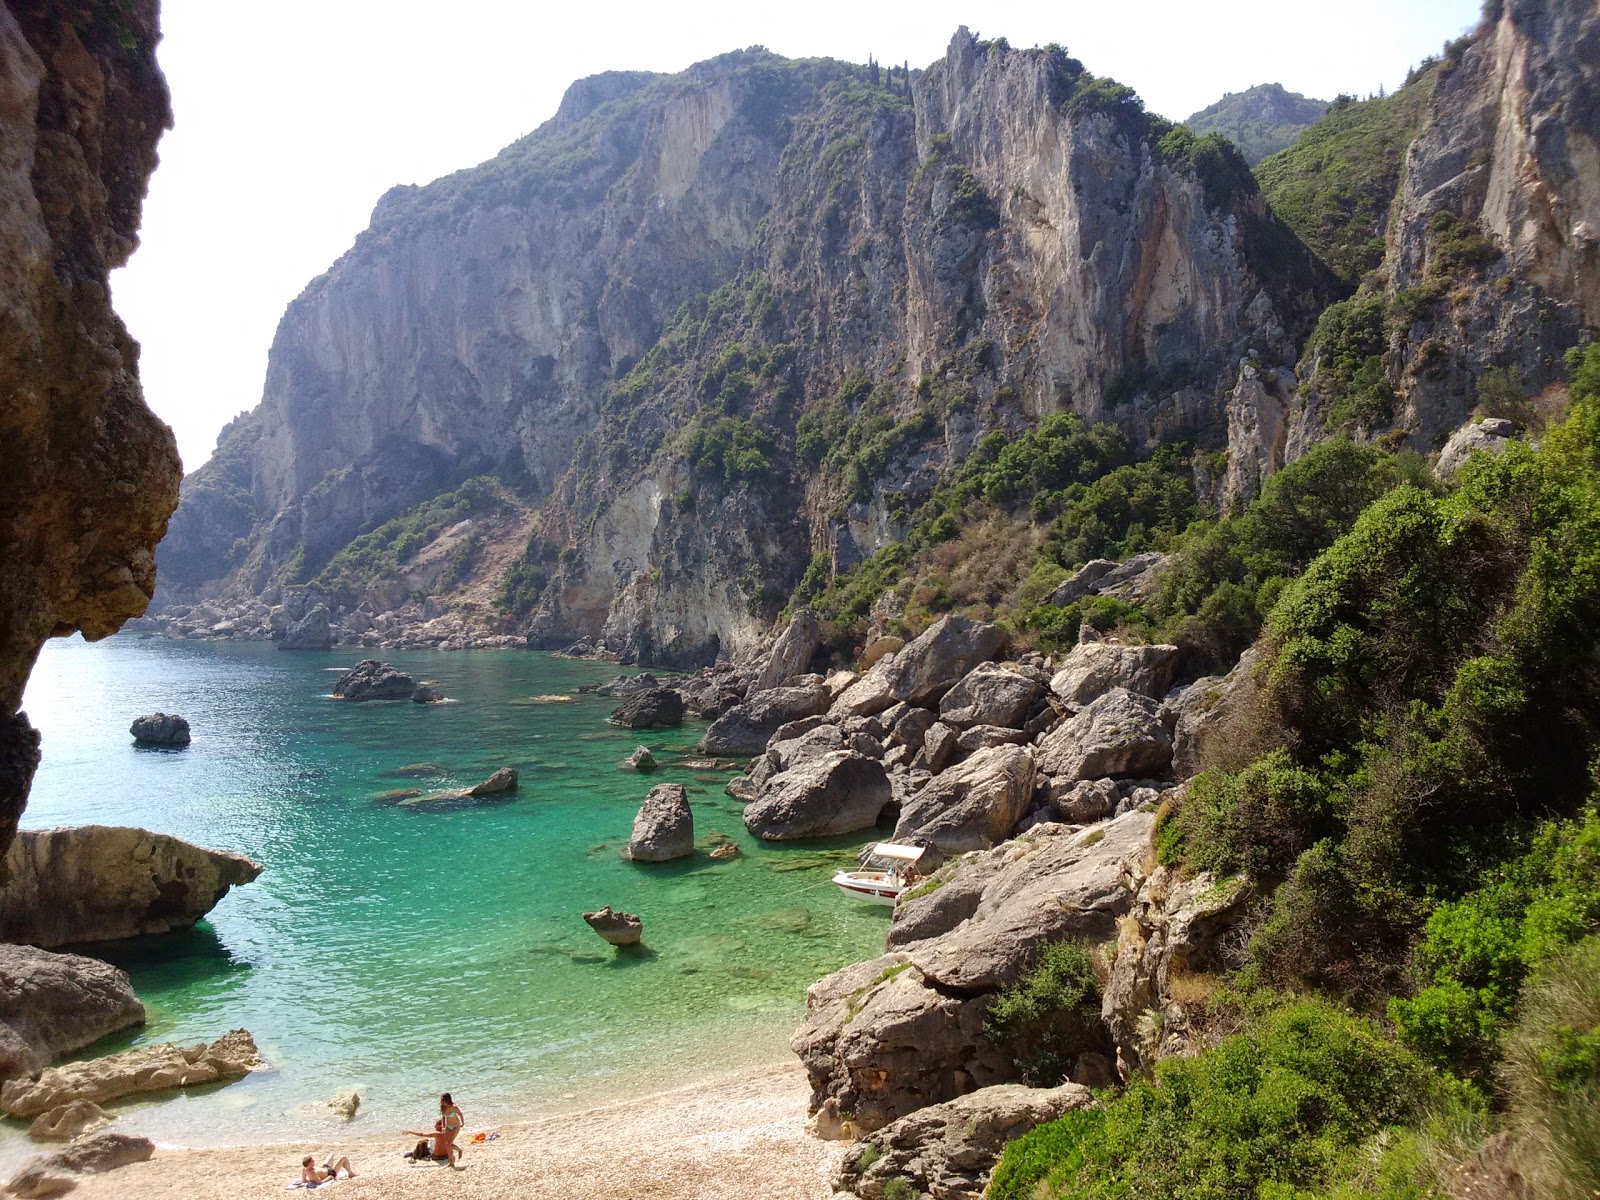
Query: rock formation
(641, 759)
(837, 792)
(664, 828)
(59, 1172)
(90, 474)
(370, 679)
(617, 928)
(160, 729)
(652, 708)
(68, 1122)
(310, 632)
(52, 1004)
(95, 883)
(501, 783)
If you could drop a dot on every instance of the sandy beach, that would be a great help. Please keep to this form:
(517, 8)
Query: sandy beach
(740, 1135)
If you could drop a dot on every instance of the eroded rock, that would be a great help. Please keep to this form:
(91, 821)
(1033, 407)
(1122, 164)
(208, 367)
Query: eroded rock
(650, 708)
(370, 679)
(56, 1173)
(935, 662)
(69, 1121)
(311, 632)
(52, 1004)
(972, 805)
(1092, 669)
(664, 828)
(502, 783)
(991, 694)
(791, 653)
(837, 792)
(618, 928)
(746, 727)
(160, 729)
(1120, 734)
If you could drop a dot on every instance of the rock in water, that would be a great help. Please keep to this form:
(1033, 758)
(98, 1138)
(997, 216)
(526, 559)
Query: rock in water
(641, 759)
(370, 679)
(69, 1121)
(502, 782)
(310, 632)
(838, 792)
(427, 693)
(158, 1068)
(664, 828)
(52, 1004)
(344, 1107)
(654, 708)
(618, 928)
(97, 883)
(161, 729)
(53, 1174)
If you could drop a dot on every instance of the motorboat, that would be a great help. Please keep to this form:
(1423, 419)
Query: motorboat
(887, 870)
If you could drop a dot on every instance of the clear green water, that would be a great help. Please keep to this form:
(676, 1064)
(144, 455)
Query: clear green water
(403, 951)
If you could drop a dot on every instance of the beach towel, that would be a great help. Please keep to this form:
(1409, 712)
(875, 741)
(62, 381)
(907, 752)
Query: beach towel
(301, 1183)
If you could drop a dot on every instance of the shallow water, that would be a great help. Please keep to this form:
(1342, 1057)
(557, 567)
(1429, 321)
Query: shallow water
(405, 951)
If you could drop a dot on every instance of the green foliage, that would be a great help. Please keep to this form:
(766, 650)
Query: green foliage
(969, 203)
(1130, 509)
(1260, 121)
(1050, 1015)
(526, 579)
(1349, 344)
(1335, 185)
(728, 451)
(394, 543)
(1259, 821)
(1457, 246)
(1283, 1110)
(1501, 394)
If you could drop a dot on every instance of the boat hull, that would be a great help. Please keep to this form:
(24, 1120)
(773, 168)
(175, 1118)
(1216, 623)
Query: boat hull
(874, 891)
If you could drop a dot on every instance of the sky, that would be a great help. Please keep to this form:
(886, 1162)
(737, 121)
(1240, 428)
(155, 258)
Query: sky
(293, 116)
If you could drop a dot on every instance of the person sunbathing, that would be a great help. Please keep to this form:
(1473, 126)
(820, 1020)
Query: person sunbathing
(314, 1175)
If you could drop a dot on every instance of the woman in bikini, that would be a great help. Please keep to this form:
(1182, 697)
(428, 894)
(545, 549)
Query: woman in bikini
(442, 1141)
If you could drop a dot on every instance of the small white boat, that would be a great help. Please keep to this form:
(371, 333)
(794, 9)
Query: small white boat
(889, 870)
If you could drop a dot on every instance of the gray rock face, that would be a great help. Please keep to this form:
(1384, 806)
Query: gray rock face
(1093, 668)
(886, 1037)
(947, 1151)
(937, 660)
(991, 694)
(310, 632)
(664, 828)
(1127, 581)
(1491, 435)
(158, 1068)
(52, 1004)
(745, 728)
(1083, 800)
(94, 883)
(618, 928)
(1120, 734)
(161, 729)
(838, 792)
(641, 759)
(502, 783)
(370, 679)
(972, 805)
(59, 1172)
(1202, 713)
(791, 653)
(69, 1121)
(652, 708)
(940, 745)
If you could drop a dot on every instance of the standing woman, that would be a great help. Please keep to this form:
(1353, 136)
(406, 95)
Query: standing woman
(451, 1122)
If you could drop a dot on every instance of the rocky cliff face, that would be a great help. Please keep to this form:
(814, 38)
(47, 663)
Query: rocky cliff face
(90, 474)
(658, 313)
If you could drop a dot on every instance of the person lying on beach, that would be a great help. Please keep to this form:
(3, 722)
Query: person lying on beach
(440, 1145)
(328, 1172)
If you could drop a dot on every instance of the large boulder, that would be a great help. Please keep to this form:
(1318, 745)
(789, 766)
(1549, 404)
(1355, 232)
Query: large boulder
(971, 806)
(157, 1068)
(897, 1033)
(991, 694)
(664, 828)
(617, 928)
(1126, 581)
(1092, 669)
(837, 792)
(58, 1172)
(948, 1151)
(1492, 435)
(1202, 713)
(650, 708)
(936, 661)
(160, 729)
(97, 883)
(746, 727)
(791, 653)
(69, 1121)
(370, 679)
(311, 632)
(501, 783)
(1121, 734)
(52, 1004)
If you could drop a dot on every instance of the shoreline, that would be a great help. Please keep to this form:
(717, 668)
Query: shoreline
(736, 1134)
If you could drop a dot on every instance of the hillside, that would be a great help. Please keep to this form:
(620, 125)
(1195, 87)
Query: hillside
(1261, 120)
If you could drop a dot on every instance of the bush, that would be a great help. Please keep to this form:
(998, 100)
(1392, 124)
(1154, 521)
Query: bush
(1050, 1015)
(729, 450)
(1259, 821)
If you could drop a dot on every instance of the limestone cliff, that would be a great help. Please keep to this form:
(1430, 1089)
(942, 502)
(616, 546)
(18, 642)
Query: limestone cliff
(90, 475)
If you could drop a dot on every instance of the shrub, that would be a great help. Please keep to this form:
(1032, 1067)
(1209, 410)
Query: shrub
(1259, 821)
(729, 450)
(1050, 1015)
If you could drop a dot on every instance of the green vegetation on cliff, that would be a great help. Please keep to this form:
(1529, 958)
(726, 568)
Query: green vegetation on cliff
(1261, 120)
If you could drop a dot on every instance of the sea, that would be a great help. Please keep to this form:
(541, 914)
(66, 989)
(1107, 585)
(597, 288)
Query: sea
(401, 951)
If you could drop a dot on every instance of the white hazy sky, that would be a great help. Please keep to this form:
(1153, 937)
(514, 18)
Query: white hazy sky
(294, 116)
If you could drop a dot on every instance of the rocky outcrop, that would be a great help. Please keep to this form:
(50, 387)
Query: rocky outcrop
(1492, 434)
(96, 883)
(160, 729)
(501, 783)
(617, 928)
(158, 1068)
(52, 1004)
(936, 661)
(1119, 734)
(311, 632)
(991, 694)
(1129, 581)
(1204, 712)
(971, 806)
(90, 474)
(59, 1172)
(370, 679)
(69, 1121)
(838, 792)
(746, 727)
(664, 827)
(791, 654)
(947, 1151)
(652, 708)
(1091, 669)
(640, 760)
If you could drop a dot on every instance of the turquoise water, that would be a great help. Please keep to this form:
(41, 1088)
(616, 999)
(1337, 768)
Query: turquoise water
(406, 951)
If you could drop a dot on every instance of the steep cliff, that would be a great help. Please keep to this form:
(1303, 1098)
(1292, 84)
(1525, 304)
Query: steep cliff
(91, 475)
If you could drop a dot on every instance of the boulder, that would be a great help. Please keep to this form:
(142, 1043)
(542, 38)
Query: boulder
(1080, 801)
(1492, 435)
(501, 783)
(1120, 734)
(310, 632)
(991, 694)
(345, 1105)
(972, 805)
(1202, 712)
(1082, 581)
(97, 883)
(940, 746)
(791, 653)
(59, 1172)
(69, 1121)
(869, 695)
(156, 1068)
(788, 752)
(52, 1004)
(981, 737)
(652, 708)
(947, 1151)
(618, 928)
(1094, 668)
(370, 679)
(746, 727)
(910, 729)
(664, 828)
(838, 792)
(622, 685)
(641, 759)
(1127, 581)
(428, 692)
(880, 648)
(160, 729)
(902, 1031)
(936, 661)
